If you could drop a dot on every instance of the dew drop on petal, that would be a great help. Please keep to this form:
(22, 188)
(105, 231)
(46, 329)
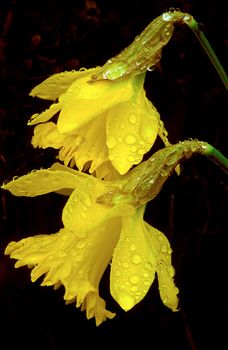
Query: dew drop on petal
(136, 259)
(164, 248)
(171, 271)
(134, 279)
(125, 264)
(132, 119)
(148, 266)
(132, 247)
(131, 158)
(146, 283)
(134, 148)
(130, 139)
(80, 244)
(86, 200)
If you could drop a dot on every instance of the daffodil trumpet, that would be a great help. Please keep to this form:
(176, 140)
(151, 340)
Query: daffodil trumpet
(103, 223)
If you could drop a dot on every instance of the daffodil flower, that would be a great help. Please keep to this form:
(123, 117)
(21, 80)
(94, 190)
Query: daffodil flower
(102, 223)
(104, 127)
(105, 122)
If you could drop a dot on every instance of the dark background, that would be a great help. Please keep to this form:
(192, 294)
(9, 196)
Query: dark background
(39, 38)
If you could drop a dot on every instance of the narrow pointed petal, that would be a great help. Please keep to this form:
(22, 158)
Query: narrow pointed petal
(45, 115)
(55, 85)
(168, 290)
(44, 181)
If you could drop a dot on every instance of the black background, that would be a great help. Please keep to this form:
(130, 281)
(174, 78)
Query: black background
(39, 38)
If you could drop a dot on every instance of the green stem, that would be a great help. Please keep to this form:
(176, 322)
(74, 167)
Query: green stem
(217, 157)
(194, 26)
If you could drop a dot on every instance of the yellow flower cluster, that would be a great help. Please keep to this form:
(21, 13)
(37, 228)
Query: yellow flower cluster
(104, 126)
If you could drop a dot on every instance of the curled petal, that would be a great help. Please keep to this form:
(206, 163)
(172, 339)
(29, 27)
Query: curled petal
(76, 263)
(46, 135)
(82, 212)
(84, 101)
(134, 263)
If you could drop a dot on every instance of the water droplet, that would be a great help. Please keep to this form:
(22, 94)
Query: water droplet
(146, 283)
(164, 248)
(145, 274)
(87, 200)
(132, 247)
(136, 259)
(122, 125)
(130, 139)
(132, 119)
(134, 149)
(80, 244)
(131, 158)
(148, 266)
(125, 264)
(171, 271)
(117, 274)
(120, 139)
(134, 288)
(134, 279)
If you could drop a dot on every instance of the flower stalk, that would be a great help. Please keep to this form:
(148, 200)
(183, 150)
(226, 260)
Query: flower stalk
(195, 27)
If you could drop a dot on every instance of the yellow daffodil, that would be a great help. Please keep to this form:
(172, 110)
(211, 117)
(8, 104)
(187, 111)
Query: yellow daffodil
(105, 122)
(103, 222)
(105, 127)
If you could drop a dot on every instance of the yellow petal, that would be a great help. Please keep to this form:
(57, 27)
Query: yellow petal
(84, 101)
(46, 115)
(76, 263)
(44, 181)
(46, 135)
(168, 290)
(133, 264)
(132, 128)
(55, 85)
(82, 212)
(92, 147)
